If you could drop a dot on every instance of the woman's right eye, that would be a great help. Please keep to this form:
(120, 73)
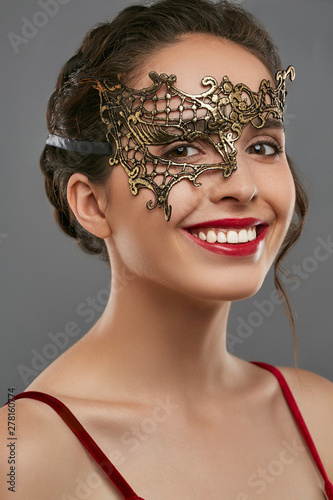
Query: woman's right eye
(180, 152)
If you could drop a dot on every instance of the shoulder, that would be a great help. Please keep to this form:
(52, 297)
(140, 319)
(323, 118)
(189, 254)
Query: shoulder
(314, 397)
(39, 455)
(310, 389)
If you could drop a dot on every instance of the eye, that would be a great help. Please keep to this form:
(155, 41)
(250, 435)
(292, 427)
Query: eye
(264, 149)
(181, 152)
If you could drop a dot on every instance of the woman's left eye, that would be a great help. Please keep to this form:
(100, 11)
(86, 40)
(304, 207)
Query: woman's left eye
(264, 149)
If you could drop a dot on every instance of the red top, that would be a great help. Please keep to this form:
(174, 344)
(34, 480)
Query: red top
(115, 476)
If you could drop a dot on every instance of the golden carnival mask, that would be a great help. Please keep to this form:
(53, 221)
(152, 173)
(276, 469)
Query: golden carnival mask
(161, 114)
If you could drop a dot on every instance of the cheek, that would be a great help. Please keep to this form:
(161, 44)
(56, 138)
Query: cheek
(281, 195)
(184, 199)
(133, 225)
(287, 195)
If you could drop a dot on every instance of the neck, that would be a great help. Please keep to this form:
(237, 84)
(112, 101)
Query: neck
(149, 336)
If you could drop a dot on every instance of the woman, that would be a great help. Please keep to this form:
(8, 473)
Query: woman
(191, 197)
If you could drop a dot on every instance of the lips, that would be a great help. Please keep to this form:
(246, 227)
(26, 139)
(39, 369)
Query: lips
(234, 237)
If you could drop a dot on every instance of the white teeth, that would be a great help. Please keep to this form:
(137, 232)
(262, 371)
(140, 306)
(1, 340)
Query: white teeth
(252, 233)
(221, 237)
(232, 237)
(243, 236)
(211, 236)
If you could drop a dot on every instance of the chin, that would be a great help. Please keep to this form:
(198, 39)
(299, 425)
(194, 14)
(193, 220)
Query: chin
(226, 293)
(237, 284)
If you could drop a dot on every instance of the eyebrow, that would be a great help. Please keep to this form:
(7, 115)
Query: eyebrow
(272, 123)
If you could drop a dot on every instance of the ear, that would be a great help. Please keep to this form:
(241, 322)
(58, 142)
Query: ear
(88, 203)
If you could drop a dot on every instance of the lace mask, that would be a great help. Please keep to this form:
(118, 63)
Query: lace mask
(162, 114)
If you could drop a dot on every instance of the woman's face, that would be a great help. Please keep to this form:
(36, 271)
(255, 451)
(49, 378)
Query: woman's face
(224, 235)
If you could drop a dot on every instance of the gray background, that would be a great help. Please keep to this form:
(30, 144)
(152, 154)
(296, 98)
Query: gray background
(46, 281)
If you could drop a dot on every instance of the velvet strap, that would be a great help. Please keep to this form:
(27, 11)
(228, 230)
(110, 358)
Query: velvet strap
(300, 423)
(115, 476)
(87, 441)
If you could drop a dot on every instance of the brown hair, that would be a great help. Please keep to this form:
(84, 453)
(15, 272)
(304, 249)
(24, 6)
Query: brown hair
(120, 46)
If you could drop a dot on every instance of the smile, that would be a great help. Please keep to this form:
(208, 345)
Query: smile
(233, 237)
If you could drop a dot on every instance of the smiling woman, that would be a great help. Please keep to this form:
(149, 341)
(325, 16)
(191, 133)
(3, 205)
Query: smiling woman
(167, 157)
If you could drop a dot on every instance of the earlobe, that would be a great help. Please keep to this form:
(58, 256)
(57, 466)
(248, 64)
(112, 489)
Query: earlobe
(88, 203)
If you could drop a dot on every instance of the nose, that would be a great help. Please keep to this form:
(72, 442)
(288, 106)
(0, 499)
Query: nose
(240, 186)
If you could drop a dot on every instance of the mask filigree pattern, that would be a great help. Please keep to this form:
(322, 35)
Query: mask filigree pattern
(162, 114)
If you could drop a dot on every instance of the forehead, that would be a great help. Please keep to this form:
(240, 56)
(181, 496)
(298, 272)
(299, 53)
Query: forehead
(199, 55)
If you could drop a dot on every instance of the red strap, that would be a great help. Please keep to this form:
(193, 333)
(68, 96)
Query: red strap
(115, 475)
(300, 422)
(87, 441)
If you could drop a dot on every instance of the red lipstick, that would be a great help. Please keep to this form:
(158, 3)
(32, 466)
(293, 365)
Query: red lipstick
(231, 249)
(229, 223)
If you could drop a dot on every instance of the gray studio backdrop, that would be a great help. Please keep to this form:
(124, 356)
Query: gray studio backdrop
(49, 286)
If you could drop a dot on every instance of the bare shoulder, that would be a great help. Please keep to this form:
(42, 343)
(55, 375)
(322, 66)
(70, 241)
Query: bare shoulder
(39, 455)
(310, 389)
(314, 396)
